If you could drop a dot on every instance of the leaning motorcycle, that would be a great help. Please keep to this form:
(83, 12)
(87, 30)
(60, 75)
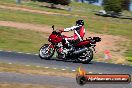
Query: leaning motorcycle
(81, 51)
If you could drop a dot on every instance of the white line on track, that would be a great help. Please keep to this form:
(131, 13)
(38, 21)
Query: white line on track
(63, 69)
(55, 68)
(27, 65)
(28, 53)
(19, 52)
(66, 67)
(9, 63)
(90, 72)
(46, 67)
(36, 54)
(9, 51)
(38, 66)
(73, 70)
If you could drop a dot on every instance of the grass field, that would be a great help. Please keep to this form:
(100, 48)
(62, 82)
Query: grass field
(20, 40)
(20, 16)
(114, 26)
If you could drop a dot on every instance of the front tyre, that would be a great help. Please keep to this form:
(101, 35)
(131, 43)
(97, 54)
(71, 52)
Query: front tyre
(86, 57)
(46, 52)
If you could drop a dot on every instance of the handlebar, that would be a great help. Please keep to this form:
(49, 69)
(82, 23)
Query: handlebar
(95, 39)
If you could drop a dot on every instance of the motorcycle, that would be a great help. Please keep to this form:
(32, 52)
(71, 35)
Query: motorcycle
(81, 51)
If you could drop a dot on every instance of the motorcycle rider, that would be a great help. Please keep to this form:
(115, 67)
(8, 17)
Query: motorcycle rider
(79, 32)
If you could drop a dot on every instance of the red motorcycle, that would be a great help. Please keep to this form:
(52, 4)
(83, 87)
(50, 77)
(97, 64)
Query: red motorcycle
(77, 51)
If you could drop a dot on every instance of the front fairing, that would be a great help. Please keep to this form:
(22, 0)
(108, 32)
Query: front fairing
(55, 38)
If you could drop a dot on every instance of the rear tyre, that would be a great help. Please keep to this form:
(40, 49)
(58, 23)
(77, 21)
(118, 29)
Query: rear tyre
(86, 57)
(46, 52)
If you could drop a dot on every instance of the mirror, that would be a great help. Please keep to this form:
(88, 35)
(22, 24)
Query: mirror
(53, 27)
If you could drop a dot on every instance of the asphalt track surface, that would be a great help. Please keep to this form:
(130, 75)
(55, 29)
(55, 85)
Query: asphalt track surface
(30, 59)
(58, 82)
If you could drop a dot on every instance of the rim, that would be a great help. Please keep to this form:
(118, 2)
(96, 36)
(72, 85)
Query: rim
(44, 52)
(85, 56)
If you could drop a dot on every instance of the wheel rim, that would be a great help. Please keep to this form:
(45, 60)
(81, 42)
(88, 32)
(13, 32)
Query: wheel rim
(85, 56)
(45, 52)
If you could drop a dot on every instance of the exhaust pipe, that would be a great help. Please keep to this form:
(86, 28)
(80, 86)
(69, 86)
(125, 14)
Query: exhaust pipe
(80, 50)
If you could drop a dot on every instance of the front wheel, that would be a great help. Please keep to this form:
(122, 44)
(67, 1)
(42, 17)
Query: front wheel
(46, 52)
(86, 56)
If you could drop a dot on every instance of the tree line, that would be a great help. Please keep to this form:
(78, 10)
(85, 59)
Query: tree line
(109, 5)
(62, 2)
(116, 5)
(113, 5)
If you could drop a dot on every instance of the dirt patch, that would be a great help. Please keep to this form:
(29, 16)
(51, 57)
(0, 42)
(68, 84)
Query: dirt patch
(115, 44)
(19, 25)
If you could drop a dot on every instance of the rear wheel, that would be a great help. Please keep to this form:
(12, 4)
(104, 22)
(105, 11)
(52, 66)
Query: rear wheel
(46, 52)
(86, 57)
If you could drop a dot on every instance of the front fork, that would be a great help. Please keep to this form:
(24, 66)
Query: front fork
(93, 47)
(49, 46)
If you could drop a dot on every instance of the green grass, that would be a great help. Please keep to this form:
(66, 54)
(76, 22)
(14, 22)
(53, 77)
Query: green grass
(129, 58)
(20, 40)
(20, 16)
(8, 1)
(93, 23)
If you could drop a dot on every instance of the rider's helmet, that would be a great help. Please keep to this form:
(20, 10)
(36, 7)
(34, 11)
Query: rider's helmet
(80, 22)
